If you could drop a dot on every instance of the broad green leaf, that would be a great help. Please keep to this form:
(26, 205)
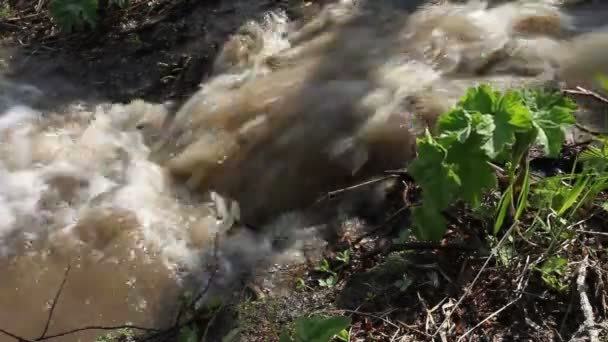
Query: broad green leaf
(552, 115)
(437, 179)
(480, 99)
(455, 124)
(511, 107)
(429, 223)
(319, 329)
(474, 172)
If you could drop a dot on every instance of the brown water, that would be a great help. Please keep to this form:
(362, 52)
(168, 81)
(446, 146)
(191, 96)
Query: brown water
(318, 107)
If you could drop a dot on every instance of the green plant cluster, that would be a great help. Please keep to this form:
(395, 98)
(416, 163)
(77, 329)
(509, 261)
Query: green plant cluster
(75, 14)
(485, 126)
(317, 329)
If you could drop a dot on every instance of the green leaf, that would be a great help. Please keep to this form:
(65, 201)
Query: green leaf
(480, 99)
(70, 14)
(429, 223)
(187, 334)
(454, 125)
(503, 207)
(524, 193)
(473, 170)
(552, 125)
(512, 106)
(319, 329)
(551, 116)
(437, 179)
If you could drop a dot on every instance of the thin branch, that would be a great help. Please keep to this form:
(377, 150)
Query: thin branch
(333, 194)
(55, 300)
(586, 92)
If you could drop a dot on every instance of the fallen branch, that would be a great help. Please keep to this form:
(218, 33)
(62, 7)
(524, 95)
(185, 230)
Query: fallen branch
(589, 323)
(582, 91)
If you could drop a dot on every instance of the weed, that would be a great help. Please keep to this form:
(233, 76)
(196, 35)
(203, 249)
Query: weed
(73, 15)
(5, 11)
(553, 273)
(316, 329)
(485, 126)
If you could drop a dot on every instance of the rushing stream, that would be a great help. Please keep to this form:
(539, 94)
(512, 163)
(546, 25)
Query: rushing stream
(91, 187)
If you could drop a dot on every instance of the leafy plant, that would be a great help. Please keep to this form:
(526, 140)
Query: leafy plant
(124, 334)
(483, 127)
(73, 14)
(344, 256)
(5, 11)
(316, 329)
(330, 281)
(404, 283)
(553, 273)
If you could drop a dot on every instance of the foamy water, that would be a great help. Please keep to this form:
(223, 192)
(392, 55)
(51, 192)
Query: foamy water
(78, 187)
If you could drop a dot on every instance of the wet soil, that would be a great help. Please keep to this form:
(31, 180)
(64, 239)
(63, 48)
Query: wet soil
(156, 50)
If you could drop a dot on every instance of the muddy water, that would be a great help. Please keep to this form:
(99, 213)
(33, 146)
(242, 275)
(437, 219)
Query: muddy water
(78, 189)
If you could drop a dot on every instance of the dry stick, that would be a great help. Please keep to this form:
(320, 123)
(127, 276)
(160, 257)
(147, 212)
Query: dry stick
(334, 193)
(582, 91)
(470, 287)
(581, 287)
(55, 300)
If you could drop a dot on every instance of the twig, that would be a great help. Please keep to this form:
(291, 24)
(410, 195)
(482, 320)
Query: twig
(333, 194)
(582, 91)
(55, 300)
(588, 130)
(581, 287)
(483, 267)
